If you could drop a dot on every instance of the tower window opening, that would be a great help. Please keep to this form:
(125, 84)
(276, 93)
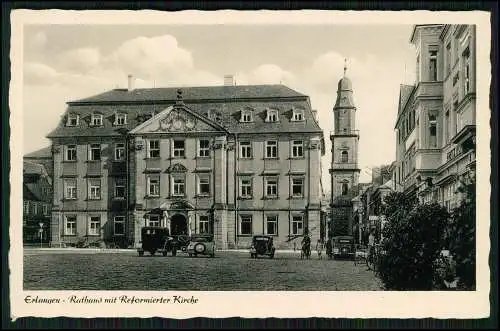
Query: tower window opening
(344, 156)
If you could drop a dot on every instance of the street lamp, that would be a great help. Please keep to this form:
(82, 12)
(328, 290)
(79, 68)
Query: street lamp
(40, 232)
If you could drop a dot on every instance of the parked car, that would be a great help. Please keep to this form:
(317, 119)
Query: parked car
(156, 239)
(262, 245)
(343, 246)
(201, 244)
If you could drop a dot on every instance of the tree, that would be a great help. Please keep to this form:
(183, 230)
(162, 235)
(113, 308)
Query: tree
(413, 237)
(461, 238)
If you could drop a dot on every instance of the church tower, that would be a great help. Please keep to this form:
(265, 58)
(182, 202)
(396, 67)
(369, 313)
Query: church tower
(344, 169)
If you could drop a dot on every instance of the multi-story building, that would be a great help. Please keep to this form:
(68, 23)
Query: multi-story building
(37, 202)
(229, 160)
(344, 169)
(435, 149)
(44, 157)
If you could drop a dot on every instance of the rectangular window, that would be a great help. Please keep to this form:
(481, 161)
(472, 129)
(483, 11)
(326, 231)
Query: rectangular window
(70, 225)
(34, 205)
(178, 186)
(297, 187)
(119, 151)
(26, 206)
(178, 148)
(73, 120)
(70, 154)
(154, 220)
(204, 185)
(246, 225)
(45, 210)
(121, 119)
(203, 148)
(298, 115)
(119, 225)
(95, 152)
(204, 225)
(70, 189)
(246, 187)
(154, 148)
(94, 189)
(271, 149)
(297, 224)
(96, 120)
(120, 188)
(153, 187)
(246, 116)
(272, 116)
(94, 226)
(432, 131)
(271, 187)
(245, 150)
(297, 148)
(272, 225)
(467, 74)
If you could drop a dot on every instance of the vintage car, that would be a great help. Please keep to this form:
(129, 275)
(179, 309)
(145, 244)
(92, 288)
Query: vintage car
(262, 245)
(156, 239)
(201, 244)
(343, 246)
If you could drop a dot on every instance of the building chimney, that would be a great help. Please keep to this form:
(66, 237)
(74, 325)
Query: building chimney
(130, 83)
(228, 80)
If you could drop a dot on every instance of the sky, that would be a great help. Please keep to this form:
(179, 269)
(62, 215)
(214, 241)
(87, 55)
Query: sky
(67, 62)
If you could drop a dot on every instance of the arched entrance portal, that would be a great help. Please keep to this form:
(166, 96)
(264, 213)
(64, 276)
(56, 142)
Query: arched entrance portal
(178, 225)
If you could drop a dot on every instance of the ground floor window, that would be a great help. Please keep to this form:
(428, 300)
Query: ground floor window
(245, 224)
(119, 225)
(272, 225)
(94, 226)
(70, 225)
(204, 225)
(154, 220)
(297, 224)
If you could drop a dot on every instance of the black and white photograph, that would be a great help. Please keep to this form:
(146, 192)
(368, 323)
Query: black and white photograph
(284, 159)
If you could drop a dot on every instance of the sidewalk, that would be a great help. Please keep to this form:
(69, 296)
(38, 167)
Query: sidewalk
(129, 250)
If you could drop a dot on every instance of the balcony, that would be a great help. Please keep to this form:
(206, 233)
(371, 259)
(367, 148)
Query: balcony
(94, 168)
(345, 133)
(466, 132)
(429, 89)
(344, 166)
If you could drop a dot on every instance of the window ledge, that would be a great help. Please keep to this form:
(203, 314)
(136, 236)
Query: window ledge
(245, 235)
(93, 199)
(245, 158)
(202, 157)
(151, 197)
(119, 198)
(296, 197)
(93, 161)
(203, 196)
(69, 199)
(69, 161)
(177, 157)
(156, 158)
(177, 196)
(271, 158)
(271, 198)
(69, 235)
(297, 157)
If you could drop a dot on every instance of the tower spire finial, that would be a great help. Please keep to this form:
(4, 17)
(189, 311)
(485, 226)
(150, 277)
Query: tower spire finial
(345, 66)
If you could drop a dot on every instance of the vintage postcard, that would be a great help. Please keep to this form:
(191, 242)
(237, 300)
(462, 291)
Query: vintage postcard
(250, 164)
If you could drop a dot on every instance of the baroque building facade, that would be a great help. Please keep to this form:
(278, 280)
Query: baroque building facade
(344, 171)
(435, 126)
(232, 161)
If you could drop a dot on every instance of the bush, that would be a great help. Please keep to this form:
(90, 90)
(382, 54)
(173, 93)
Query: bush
(462, 240)
(412, 245)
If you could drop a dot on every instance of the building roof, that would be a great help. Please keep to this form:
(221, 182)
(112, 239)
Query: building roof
(226, 102)
(344, 94)
(32, 168)
(200, 93)
(405, 92)
(45, 152)
(29, 195)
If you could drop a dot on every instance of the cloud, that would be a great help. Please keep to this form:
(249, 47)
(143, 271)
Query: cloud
(81, 60)
(39, 73)
(39, 40)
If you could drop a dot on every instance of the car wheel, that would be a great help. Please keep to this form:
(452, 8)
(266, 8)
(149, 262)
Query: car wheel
(200, 248)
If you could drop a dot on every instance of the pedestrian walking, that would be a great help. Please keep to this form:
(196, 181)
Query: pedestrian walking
(294, 246)
(319, 249)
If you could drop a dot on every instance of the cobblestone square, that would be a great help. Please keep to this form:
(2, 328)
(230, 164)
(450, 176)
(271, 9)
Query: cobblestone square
(125, 270)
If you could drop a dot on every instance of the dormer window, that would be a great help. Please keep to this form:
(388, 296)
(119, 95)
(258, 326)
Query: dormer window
(298, 115)
(96, 120)
(120, 119)
(272, 115)
(246, 116)
(72, 120)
